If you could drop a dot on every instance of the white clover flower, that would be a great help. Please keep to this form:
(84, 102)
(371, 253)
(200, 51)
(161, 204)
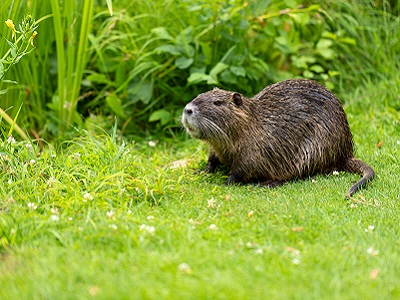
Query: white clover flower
(32, 162)
(9, 181)
(55, 218)
(149, 229)
(54, 210)
(213, 227)
(52, 181)
(53, 155)
(370, 228)
(152, 144)
(87, 196)
(185, 268)
(150, 218)
(296, 261)
(113, 226)
(129, 212)
(110, 214)
(258, 251)
(336, 173)
(28, 146)
(11, 140)
(373, 252)
(211, 203)
(32, 205)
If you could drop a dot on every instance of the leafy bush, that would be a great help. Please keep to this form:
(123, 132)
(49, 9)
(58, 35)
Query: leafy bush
(146, 60)
(193, 46)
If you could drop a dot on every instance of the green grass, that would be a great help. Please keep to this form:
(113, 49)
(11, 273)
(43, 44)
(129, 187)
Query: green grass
(121, 220)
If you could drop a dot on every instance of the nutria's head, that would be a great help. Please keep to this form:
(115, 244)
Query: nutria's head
(216, 115)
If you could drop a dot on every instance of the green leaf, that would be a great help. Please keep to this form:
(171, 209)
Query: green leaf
(198, 77)
(161, 115)
(183, 62)
(140, 91)
(9, 81)
(162, 33)
(110, 7)
(2, 92)
(323, 48)
(207, 51)
(327, 53)
(115, 103)
(13, 48)
(170, 49)
(270, 30)
(324, 43)
(308, 74)
(333, 73)
(348, 40)
(317, 69)
(98, 78)
(228, 77)
(302, 62)
(218, 68)
(302, 19)
(238, 70)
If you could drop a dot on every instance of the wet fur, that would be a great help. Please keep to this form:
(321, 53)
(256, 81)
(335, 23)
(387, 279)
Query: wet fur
(290, 130)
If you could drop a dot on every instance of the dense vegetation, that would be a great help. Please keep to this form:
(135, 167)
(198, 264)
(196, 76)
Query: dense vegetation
(140, 61)
(101, 198)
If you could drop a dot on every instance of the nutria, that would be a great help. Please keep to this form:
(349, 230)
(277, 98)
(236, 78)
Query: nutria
(290, 130)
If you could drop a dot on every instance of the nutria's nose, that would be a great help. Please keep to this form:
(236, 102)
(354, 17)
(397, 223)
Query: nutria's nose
(189, 109)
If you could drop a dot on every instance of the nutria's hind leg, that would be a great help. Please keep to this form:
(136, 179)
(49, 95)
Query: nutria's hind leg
(234, 179)
(271, 183)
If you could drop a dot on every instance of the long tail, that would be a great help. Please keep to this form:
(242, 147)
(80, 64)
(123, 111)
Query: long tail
(355, 165)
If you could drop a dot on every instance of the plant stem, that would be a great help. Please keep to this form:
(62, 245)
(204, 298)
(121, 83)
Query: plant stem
(10, 121)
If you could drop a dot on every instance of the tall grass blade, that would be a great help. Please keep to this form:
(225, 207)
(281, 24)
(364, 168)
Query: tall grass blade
(59, 37)
(81, 54)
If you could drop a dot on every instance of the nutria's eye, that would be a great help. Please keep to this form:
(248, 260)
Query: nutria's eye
(217, 103)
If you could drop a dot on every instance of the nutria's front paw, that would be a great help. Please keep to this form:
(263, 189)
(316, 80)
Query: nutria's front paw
(233, 180)
(206, 170)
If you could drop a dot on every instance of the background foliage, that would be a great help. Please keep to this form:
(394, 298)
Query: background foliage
(141, 61)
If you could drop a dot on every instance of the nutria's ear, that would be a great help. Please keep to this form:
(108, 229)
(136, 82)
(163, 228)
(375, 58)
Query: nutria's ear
(237, 99)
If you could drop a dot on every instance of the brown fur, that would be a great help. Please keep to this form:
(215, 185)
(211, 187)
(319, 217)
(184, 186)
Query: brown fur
(292, 129)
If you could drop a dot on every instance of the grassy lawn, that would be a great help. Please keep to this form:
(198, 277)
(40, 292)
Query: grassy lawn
(100, 218)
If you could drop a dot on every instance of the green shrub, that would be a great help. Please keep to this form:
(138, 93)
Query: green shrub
(146, 60)
(171, 55)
